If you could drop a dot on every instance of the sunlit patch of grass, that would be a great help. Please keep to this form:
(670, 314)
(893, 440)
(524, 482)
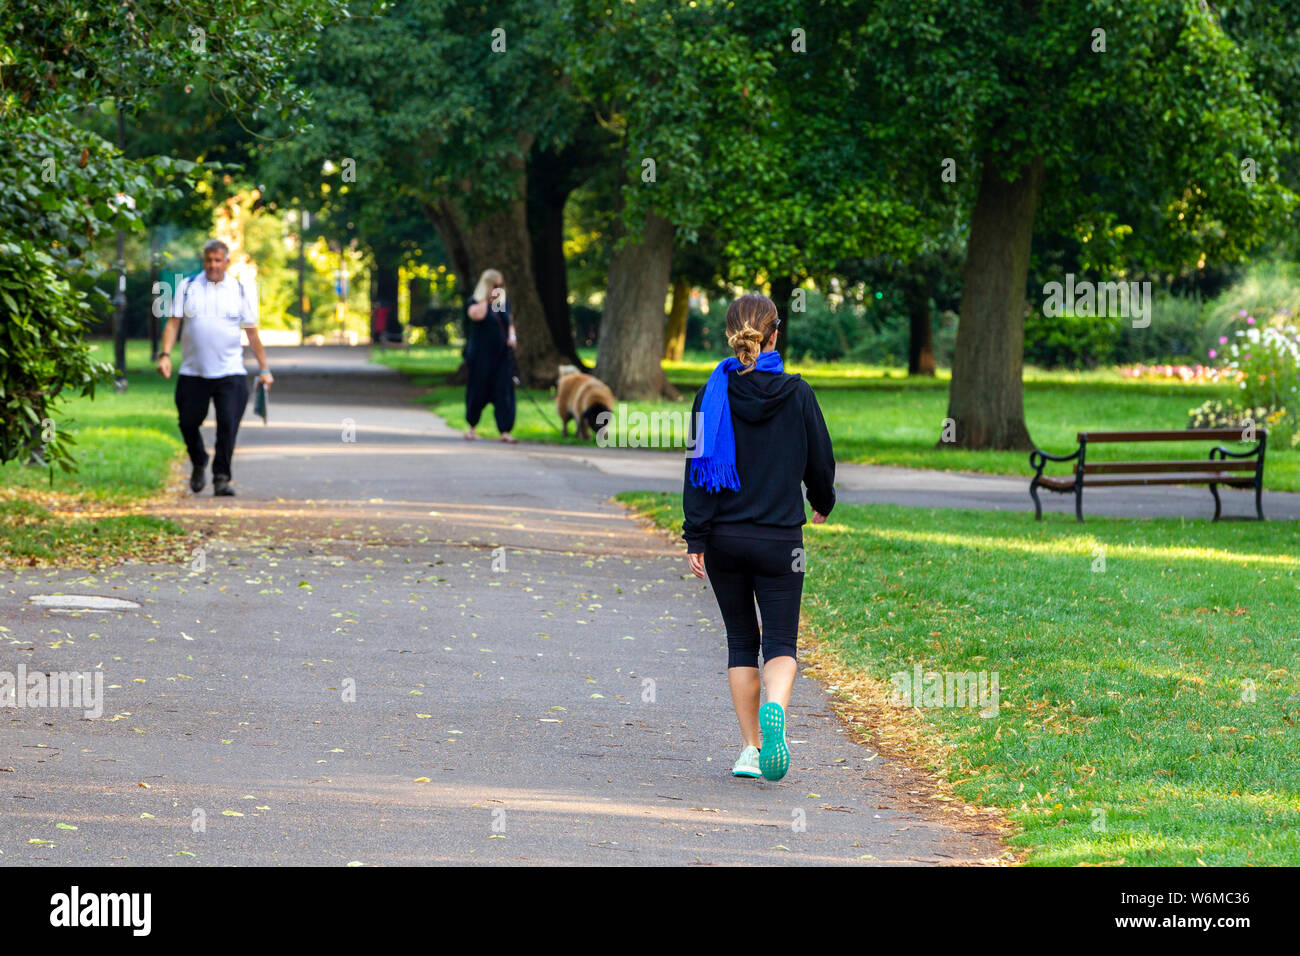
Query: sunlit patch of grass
(31, 535)
(1148, 711)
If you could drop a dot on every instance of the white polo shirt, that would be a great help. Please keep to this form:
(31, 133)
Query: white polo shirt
(214, 316)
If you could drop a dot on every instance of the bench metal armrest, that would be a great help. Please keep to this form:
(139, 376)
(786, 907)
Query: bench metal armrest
(1038, 458)
(1225, 453)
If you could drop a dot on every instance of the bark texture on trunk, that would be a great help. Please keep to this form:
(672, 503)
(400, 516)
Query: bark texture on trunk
(551, 178)
(446, 221)
(501, 241)
(675, 331)
(986, 397)
(632, 324)
(920, 340)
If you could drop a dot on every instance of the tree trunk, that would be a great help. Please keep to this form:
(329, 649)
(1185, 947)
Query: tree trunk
(500, 241)
(675, 331)
(920, 340)
(383, 294)
(155, 256)
(549, 179)
(418, 298)
(782, 291)
(447, 222)
(986, 397)
(632, 323)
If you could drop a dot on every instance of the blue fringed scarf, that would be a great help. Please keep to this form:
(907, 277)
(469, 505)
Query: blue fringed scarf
(714, 466)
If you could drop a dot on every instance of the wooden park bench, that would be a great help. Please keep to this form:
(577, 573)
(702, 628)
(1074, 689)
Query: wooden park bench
(1235, 469)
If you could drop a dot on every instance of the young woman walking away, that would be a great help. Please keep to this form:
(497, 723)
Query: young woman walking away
(487, 355)
(758, 433)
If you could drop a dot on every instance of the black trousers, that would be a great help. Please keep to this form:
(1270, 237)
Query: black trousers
(491, 380)
(229, 396)
(743, 570)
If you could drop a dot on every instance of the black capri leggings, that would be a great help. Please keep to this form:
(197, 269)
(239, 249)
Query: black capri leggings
(742, 570)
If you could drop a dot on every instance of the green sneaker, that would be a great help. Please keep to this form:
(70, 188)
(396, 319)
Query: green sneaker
(774, 759)
(747, 764)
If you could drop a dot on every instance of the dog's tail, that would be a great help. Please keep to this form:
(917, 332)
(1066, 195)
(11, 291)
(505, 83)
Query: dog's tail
(592, 416)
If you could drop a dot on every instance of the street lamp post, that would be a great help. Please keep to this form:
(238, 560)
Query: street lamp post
(304, 223)
(119, 300)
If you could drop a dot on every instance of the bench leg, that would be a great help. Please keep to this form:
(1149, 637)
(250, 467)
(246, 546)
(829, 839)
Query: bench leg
(1218, 505)
(1259, 500)
(1038, 505)
(1078, 500)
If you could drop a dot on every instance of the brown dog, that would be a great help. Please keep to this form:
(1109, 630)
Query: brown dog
(582, 398)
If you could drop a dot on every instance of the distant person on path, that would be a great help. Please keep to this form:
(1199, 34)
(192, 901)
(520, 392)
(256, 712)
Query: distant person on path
(213, 311)
(489, 357)
(758, 433)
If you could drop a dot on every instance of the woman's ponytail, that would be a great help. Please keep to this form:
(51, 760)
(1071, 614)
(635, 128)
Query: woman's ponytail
(751, 320)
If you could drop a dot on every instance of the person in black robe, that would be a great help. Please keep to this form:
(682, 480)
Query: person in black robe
(489, 356)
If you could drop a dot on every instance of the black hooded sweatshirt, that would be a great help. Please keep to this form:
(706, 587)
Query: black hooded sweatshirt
(781, 439)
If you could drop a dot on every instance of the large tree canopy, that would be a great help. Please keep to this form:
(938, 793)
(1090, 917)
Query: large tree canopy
(1128, 122)
(64, 186)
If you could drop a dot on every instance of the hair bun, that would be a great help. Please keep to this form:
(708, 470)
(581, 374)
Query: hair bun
(746, 343)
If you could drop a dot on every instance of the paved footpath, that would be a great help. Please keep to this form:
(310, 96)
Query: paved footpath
(343, 675)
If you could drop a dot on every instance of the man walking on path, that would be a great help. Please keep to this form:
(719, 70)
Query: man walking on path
(214, 308)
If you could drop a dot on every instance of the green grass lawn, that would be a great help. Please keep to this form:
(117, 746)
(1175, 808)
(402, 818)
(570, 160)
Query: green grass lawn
(879, 416)
(125, 446)
(125, 442)
(1159, 696)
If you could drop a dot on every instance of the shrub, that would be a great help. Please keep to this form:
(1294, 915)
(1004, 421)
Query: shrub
(1071, 341)
(43, 352)
(1177, 331)
(1265, 359)
(1267, 356)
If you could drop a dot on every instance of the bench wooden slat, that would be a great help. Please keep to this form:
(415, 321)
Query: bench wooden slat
(1184, 434)
(1200, 478)
(1138, 467)
(1222, 478)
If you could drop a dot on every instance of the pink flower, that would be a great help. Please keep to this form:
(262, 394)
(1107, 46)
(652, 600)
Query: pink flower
(1223, 340)
(1251, 320)
(1242, 314)
(1213, 353)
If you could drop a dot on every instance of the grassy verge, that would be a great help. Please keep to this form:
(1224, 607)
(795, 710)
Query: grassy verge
(879, 416)
(125, 446)
(1149, 691)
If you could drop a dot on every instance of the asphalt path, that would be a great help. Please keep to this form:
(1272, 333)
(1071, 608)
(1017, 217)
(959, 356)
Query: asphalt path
(398, 647)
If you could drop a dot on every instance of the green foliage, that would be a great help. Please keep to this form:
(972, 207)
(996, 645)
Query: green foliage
(1177, 332)
(125, 442)
(1220, 413)
(42, 353)
(1071, 341)
(63, 187)
(1265, 288)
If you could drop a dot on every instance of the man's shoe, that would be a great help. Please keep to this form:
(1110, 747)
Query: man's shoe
(221, 487)
(197, 479)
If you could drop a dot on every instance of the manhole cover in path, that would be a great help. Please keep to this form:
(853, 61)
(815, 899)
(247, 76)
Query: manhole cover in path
(81, 602)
